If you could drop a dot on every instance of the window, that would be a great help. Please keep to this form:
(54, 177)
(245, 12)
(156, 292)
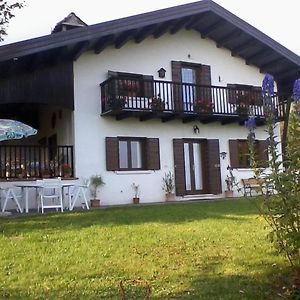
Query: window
(243, 154)
(240, 157)
(132, 153)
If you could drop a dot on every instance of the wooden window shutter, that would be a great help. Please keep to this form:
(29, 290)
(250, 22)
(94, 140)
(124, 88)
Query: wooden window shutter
(204, 78)
(234, 157)
(205, 75)
(257, 96)
(231, 93)
(214, 170)
(153, 157)
(179, 166)
(177, 88)
(112, 153)
(148, 86)
(262, 153)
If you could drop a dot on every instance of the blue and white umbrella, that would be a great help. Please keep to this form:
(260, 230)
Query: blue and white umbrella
(13, 130)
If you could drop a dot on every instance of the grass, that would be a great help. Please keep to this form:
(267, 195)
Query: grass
(212, 250)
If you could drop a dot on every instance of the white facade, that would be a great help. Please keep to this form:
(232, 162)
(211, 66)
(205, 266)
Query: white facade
(91, 129)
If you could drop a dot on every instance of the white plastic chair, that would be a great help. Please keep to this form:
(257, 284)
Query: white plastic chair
(9, 194)
(50, 194)
(79, 193)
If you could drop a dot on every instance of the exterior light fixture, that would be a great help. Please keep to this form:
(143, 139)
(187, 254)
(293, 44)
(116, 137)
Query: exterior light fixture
(196, 129)
(223, 155)
(161, 73)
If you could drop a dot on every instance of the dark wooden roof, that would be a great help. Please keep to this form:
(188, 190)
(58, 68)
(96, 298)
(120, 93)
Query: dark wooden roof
(206, 17)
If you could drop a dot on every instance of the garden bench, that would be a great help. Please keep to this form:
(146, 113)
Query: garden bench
(252, 184)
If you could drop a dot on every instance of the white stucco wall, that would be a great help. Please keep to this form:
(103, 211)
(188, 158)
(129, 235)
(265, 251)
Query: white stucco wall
(90, 129)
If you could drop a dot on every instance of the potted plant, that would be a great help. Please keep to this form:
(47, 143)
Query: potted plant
(66, 170)
(230, 182)
(203, 106)
(169, 186)
(136, 193)
(96, 182)
(157, 104)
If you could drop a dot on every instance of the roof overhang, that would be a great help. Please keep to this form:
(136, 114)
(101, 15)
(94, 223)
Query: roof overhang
(206, 17)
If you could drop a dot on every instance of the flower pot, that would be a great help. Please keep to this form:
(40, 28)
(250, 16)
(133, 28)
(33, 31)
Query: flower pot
(136, 200)
(95, 202)
(228, 194)
(170, 197)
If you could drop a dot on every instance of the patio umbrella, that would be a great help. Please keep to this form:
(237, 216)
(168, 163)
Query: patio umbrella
(12, 130)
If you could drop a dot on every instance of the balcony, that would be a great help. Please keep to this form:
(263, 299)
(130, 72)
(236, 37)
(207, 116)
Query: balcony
(31, 162)
(148, 99)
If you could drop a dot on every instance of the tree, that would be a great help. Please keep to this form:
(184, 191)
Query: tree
(6, 14)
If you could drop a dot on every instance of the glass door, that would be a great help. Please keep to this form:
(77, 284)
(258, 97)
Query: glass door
(188, 76)
(193, 163)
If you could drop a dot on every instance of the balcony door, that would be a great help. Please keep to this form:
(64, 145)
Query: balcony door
(189, 80)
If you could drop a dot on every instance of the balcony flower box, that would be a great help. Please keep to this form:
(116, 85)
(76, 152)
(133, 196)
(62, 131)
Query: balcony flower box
(203, 106)
(157, 104)
(242, 109)
(117, 103)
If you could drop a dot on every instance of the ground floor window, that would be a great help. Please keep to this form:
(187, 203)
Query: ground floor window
(132, 153)
(240, 156)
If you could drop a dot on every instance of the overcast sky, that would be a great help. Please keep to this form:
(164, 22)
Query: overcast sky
(278, 19)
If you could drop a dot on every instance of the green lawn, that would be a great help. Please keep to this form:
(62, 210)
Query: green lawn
(213, 250)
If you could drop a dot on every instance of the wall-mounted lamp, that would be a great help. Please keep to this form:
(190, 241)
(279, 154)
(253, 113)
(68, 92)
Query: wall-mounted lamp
(223, 154)
(196, 129)
(161, 73)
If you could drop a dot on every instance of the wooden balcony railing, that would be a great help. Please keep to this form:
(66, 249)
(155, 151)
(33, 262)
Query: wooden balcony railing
(27, 162)
(183, 99)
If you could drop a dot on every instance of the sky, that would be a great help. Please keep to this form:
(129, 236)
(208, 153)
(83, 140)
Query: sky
(278, 19)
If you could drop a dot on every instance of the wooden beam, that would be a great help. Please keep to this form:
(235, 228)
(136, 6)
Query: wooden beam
(79, 49)
(193, 21)
(143, 33)
(123, 38)
(228, 37)
(270, 63)
(236, 50)
(147, 117)
(103, 42)
(123, 115)
(178, 25)
(208, 30)
(162, 29)
(258, 54)
(286, 73)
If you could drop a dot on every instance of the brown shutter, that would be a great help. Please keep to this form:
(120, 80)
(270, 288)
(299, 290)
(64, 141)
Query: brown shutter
(234, 157)
(179, 166)
(152, 152)
(148, 86)
(262, 153)
(177, 89)
(214, 171)
(112, 153)
(231, 92)
(205, 75)
(257, 96)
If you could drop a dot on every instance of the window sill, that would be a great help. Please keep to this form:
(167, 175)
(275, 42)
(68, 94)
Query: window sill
(133, 172)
